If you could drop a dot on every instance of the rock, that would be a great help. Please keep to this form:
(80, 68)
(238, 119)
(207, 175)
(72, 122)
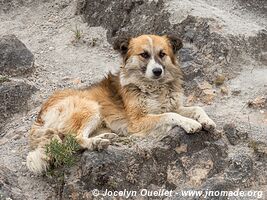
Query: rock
(197, 167)
(140, 15)
(13, 99)
(224, 90)
(219, 80)
(231, 133)
(264, 58)
(186, 54)
(8, 5)
(236, 92)
(256, 6)
(259, 147)
(240, 170)
(258, 102)
(16, 59)
(216, 184)
(205, 85)
(191, 70)
(153, 161)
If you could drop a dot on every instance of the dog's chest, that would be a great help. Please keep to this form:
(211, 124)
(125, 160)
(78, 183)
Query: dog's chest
(163, 102)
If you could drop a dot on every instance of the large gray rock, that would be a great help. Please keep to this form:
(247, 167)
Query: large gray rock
(15, 58)
(131, 17)
(8, 5)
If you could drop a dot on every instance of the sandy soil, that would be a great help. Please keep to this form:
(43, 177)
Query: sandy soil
(47, 30)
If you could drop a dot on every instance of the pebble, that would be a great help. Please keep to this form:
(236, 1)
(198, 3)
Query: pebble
(224, 90)
(236, 92)
(16, 137)
(219, 80)
(231, 133)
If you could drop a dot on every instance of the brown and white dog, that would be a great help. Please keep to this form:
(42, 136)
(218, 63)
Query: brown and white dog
(143, 97)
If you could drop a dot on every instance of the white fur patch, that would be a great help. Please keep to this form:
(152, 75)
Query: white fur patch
(36, 162)
(151, 44)
(152, 65)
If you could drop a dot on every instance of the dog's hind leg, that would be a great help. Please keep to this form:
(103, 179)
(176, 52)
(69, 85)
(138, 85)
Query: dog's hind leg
(197, 113)
(84, 135)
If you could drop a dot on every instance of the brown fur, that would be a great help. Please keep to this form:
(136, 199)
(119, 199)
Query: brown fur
(126, 103)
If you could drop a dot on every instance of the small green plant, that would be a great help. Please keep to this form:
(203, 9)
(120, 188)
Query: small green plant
(3, 79)
(77, 34)
(62, 153)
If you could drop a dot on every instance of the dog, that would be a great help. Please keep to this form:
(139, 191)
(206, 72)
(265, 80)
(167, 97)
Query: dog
(144, 96)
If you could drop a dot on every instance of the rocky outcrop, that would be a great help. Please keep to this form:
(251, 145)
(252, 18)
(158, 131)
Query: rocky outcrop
(174, 161)
(16, 59)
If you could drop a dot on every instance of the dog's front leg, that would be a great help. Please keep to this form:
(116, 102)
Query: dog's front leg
(146, 124)
(197, 113)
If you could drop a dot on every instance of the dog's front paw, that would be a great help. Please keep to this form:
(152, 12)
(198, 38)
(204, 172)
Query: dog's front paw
(191, 126)
(207, 123)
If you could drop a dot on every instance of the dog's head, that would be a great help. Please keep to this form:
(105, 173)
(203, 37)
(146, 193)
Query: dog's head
(149, 58)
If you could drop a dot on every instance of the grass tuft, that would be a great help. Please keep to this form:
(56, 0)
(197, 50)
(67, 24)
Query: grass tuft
(62, 153)
(3, 79)
(77, 34)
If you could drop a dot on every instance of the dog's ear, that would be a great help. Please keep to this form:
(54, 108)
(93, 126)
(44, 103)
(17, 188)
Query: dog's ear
(121, 44)
(175, 42)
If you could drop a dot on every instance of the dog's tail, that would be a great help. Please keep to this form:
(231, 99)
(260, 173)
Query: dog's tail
(39, 137)
(37, 161)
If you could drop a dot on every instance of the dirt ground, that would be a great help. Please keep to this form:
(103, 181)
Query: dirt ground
(48, 30)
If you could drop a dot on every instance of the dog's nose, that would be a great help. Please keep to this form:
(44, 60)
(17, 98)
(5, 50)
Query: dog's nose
(157, 71)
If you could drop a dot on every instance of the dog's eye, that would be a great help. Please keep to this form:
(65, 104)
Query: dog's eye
(145, 55)
(162, 54)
